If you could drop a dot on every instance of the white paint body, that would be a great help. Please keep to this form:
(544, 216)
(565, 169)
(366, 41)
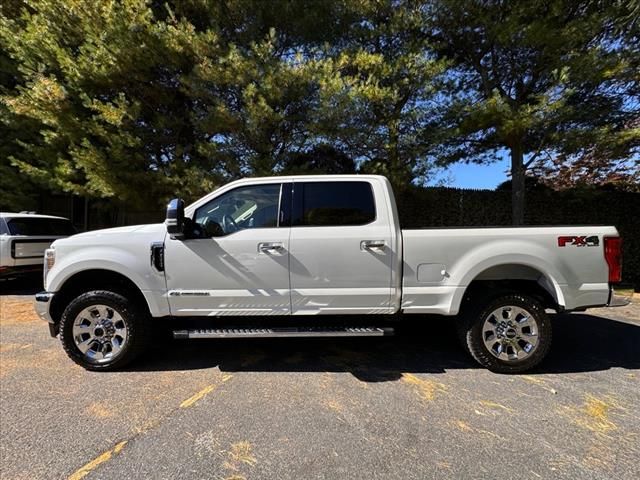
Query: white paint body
(325, 270)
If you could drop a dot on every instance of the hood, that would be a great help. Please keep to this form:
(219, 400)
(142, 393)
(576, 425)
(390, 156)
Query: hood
(114, 235)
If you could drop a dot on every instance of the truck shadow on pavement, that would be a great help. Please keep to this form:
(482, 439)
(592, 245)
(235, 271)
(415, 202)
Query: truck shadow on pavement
(582, 343)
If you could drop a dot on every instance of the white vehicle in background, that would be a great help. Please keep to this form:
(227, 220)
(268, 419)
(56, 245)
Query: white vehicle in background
(23, 239)
(320, 255)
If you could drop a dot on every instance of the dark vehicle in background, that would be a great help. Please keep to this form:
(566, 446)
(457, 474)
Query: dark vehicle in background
(23, 239)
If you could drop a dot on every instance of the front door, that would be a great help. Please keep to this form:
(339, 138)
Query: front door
(239, 262)
(341, 248)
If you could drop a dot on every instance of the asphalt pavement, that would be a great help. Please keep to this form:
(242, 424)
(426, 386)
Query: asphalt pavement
(410, 406)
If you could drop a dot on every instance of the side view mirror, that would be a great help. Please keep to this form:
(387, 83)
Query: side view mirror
(175, 218)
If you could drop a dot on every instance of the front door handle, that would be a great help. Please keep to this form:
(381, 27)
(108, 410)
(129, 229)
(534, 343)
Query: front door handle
(270, 247)
(372, 244)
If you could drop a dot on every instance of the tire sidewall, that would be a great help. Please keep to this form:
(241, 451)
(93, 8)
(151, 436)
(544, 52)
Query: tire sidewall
(99, 297)
(478, 349)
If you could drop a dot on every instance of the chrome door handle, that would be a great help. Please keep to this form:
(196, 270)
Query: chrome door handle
(372, 244)
(270, 247)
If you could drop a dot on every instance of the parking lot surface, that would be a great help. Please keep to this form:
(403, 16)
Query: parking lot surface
(410, 406)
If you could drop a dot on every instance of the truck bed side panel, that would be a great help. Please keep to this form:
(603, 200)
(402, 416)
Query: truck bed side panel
(440, 264)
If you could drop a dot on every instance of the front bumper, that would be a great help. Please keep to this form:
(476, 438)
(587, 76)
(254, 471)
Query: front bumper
(42, 304)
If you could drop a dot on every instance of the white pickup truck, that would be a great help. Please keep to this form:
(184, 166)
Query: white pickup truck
(329, 248)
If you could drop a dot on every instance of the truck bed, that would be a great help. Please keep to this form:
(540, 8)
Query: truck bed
(439, 264)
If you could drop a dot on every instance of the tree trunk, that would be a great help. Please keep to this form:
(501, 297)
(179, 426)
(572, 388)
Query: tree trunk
(399, 173)
(517, 185)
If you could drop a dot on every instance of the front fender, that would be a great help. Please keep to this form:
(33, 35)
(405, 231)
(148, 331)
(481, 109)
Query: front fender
(134, 266)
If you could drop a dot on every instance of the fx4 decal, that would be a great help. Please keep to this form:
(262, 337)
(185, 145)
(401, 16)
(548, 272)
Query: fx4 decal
(577, 241)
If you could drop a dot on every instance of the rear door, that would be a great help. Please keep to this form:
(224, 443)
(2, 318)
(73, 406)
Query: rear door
(341, 249)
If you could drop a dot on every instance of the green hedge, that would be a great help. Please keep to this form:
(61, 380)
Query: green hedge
(452, 207)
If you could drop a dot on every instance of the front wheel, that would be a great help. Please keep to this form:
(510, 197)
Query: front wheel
(103, 330)
(509, 334)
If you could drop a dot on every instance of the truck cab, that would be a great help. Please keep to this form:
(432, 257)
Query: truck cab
(287, 246)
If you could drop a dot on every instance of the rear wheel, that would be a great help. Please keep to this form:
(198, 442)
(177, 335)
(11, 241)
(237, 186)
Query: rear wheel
(103, 330)
(509, 334)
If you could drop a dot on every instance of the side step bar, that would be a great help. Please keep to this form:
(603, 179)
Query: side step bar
(283, 332)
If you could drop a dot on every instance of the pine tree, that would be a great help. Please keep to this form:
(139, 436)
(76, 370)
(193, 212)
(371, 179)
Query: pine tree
(538, 79)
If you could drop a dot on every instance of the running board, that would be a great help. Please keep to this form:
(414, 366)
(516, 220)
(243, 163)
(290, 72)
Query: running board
(284, 332)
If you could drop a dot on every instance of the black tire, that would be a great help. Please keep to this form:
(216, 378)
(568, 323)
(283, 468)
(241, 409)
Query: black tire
(470, 331)
(135, 318)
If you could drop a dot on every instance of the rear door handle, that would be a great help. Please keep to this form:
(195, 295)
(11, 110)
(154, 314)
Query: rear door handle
(372, 244)
(270, 247)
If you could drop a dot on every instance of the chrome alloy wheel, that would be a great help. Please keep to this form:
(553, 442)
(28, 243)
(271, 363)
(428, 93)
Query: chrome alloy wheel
(100, 333)
(510, 333)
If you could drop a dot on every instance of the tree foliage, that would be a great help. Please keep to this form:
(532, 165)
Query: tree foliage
(538, 79)
(134, 100)
(137, 100)
(379, 91)
(323, 158)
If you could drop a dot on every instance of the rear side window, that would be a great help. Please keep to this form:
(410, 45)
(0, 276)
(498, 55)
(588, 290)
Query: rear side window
(40, 227)
(3, 227)
(323, 204)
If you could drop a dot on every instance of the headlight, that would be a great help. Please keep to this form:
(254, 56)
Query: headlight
(49, 261)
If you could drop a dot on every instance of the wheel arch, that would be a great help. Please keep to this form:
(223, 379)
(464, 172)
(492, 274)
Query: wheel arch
(512, 277)
(95, 279)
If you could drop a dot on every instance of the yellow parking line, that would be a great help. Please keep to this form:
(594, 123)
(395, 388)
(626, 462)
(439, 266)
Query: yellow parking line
(89, 467)
(191, 400)
(202, 393)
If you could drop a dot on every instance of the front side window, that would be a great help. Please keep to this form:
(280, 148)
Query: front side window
(333, 204)
(253, 206)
